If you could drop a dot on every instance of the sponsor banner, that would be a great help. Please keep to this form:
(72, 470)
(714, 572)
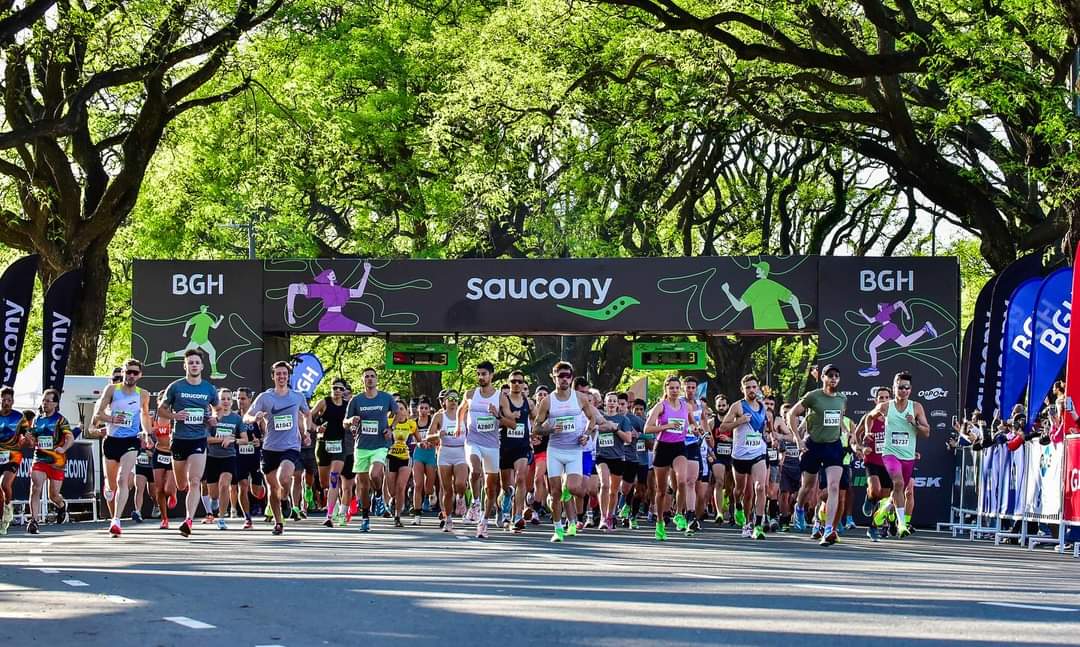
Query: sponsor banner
(903, 319)
(1016, 357)
(78, 474)
(1050, 337)
(57, 326)
(1014, 473)
(16, 292)
(1044, 480)
(975, 368)
(1072, 366)
(1071, 503)
(990, 479)
(1017, 272)
(588, 296)
(214, 307)
(306, 374)
(965, 364)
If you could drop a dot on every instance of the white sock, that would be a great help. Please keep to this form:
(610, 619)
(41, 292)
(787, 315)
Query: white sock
(900, 518)
(206, 505)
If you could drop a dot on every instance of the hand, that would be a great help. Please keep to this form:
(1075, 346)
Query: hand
(354, 421)
(911, 419)
(226, 441)
(260, 416)
(290, 318)
(724, 286)
(425, 444)
(517, 415)
(389, 435)
(61, 450)
(367, 267)
(583, 439)
(492, 410)
(212, 420)
(180, 415)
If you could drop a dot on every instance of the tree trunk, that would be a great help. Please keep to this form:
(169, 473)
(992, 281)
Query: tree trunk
(90, 310)
(427, 383)
(733, 360)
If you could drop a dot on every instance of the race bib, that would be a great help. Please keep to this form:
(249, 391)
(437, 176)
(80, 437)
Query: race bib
(723, 450)
(126, 418)
(333, 446)
(451, 429)
(566, 424)
(680, 424)
(195, 416)
(369, 427)
(45, 442)
(517, 432)
(773, 455)
(640, 446)
(5, 457)
(283, 422)
(752, 440)
(164, 459)
(792, 452)
(143, 459)
(831, 418)
(223, 431)
(606, 440)
(879, 438)
(485, 424)
(900, 439)
(247, 448)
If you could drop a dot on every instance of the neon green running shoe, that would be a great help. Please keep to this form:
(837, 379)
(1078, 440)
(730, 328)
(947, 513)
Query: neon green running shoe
(559, 535)
(759, 533)
(633, 524)
(571, 529)
(740, 517)
(680, 522)
(661, 531)
(624, 511)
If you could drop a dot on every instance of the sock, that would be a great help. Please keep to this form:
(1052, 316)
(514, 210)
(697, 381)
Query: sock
(773, 508)
(828, 529)
(215, 505)
(800, 511)
(206, 505)
(900, 515)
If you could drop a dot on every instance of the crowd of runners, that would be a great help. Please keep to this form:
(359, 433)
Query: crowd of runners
(514, 456)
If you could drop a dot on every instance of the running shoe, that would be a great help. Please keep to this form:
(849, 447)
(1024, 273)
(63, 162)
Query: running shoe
(329, 523)
(365, 525)
(695, 525)
(278, 529)
(448, 525)
(759, 533)
(164, 524)
(633, 523)
(248, 525)
(303, 515)
(221, 524)
(688, 532)
(559, 535)
(680, 522)
(871, 532)
(482, 529)
(611, 523)
(624, 512)
(902, 529)
(172, 501)
(185, 528)
(849, 523)
(572, 529)
(747, 531)
(397, 523)
(829, 539)
(867, 507)
(353, 507)
(930, 330)
(818, 532)
(869, 371)
(740, 517)
(774, 526)
(379, 506)
(136, 517)
(519, 525)
(295, 516)
(590, 520)
(661, 531)
(340, 520)
(61, 514)
(415, 520)
(269, 516)
(4, 524)
(208, 520)
(719, 520)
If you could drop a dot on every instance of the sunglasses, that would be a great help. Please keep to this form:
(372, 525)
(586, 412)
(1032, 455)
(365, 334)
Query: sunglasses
(517, 381)
(338, 388)
(902, 387)
(117, 378)
(132, 372)
(565, 376)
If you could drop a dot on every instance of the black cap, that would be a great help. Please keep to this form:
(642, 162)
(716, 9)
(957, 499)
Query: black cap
(830, 367)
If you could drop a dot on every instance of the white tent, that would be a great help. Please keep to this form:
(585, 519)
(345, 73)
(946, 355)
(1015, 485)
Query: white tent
(28, 385)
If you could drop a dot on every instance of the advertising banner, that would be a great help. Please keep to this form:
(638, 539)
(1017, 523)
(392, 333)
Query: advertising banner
(1012, 276)
(16, 292)
(974, 367)
(307, 373)
(57, 325)
(1071, 502)
(1016, 358)
(1050, 338)
(78, 474)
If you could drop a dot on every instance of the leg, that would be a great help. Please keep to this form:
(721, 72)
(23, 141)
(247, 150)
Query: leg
(521, 485)
(832, 476)
(37, 485)
(195, 465)
(605, 491)
(123, 483)
(112, 468)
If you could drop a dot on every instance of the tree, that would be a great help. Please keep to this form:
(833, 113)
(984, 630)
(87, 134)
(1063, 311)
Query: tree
(89, 89)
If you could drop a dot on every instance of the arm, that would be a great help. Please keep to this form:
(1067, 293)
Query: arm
(921, 424)
(99, 409)
(218, 322)
(507, 418)
(868, 318)
(255, 414)
(290, 301)
(797, 307)
(358, 291)
(145, 423)
(541, 426)
(651, 426)
(597, 418)
(69, 438)
(793, 422)
(625, 431)
(900, 305)
(736, 302)
(734, 418)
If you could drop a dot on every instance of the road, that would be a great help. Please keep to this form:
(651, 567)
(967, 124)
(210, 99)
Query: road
(77, 587)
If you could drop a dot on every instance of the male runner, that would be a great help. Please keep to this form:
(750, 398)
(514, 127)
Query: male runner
(370, 412)
(128, 415)
(691, 470)
(747, 422)
(483, 411)
(13, 427)
(189, 403)
(905, 420)
(514, 454)
(53, 437)
(634, 474)
(200, 326)
(790, 473)
(558, 416)
(723, 475)
(824, 409)
(539, 443)
(248, 458)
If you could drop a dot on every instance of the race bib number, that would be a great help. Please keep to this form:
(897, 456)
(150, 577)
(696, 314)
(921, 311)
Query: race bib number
(879, 438)
(680, 424)
(223, 431)
(45, 442)
(566, 424)
(485, 424)
(451, 429)
(369, 427)
(773, 455)
(5, 457)
(640, 446)
(831, 418)
(752, 440)
(126, 418)
(283, 422)
(606, 440)
(195, 416)
(792, 452)
(900, 439)
(143, 459)
(333, 446)
(247, 448)
(164, 459)
(517, 432)
(723, 450)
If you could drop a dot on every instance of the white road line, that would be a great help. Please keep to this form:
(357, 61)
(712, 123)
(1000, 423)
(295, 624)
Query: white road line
(119, 599)
(702, 576)
(188, 622)
(1015, 605)
(74, 582)
(462, 537)
(49, 571)
(37, 560)
(36, 551)
(833, 587)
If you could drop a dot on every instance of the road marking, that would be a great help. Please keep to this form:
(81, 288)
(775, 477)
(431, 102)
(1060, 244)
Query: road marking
(49, 571)
(37, 560)
(188, 622)
(75, 583)
(702, 576)
(119, 599)
(461, 537)
(832, 587)
(269, 645)
(36, 551)
(1015, 605)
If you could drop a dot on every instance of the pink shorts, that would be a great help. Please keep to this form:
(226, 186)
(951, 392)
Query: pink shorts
(893, 465)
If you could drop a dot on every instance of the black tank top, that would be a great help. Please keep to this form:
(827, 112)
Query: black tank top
(509, 437)
(333, 416)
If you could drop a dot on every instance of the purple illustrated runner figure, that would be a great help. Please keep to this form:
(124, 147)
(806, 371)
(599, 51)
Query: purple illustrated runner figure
(891, 332)
(324, 288)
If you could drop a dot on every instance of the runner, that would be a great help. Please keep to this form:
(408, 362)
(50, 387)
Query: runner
(539, 443)
(424, 462)
(889, 331)
(773, 457)
(747, 421)
(905, 420)
(824, 409)
(13, 442)
(221, 463)
(144, 474)
(723, 475)
(398, 470)
(515, 451)
(869, 435)
(483, 412)
(453, 468)
(248, 459)
(52, 438)
(790, 474)
(128, 414)
(329, 414)
(692, 468)
(610, 459)
(370, 412)
(634, 473)
(564, 456)
(161, 461)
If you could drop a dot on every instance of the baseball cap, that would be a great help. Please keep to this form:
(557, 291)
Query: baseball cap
(762, 265)
(452, 395)
(830, 367)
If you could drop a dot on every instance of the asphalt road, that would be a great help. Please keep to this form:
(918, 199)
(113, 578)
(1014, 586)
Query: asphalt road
(315, 586)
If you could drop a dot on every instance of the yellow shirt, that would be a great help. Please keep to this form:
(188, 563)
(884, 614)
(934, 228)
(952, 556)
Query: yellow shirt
(402, 431)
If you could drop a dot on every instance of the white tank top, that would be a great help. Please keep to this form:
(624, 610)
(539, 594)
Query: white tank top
(566, 416)
(451, 437)
(747, 441)
(128, 406)
(483, 426)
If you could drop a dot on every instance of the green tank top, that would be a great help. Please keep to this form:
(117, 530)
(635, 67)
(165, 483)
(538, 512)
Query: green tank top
(899, 433)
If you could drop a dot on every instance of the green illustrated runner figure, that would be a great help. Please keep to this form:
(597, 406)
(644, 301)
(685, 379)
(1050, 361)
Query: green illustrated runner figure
(200, 326)
(764, 297)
